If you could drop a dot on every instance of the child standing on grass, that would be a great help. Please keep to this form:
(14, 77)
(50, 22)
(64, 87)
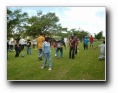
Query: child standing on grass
(47, 53)
(28, 47)
(102, 51)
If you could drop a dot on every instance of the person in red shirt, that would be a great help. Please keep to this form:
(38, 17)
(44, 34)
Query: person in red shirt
(54, 44)
(91, 41)
(72, 47)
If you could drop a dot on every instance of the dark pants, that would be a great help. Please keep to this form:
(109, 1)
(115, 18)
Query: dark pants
(40, 53)
(18, 50)
(33, 46)
(11, 47)
(85, 46)
(29, 51)
(22, 47)
(76, 50)
(61, 52)
(72, 52)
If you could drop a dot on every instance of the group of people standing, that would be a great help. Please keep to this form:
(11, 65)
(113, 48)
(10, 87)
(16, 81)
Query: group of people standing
(101, 46)
(43, 44)
(44, 47)
(86, 40)
(18, 45)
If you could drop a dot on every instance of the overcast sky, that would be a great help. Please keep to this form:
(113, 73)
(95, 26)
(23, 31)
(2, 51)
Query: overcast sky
(91, 19)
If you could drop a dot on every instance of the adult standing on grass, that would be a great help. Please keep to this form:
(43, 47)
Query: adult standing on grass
(76, 43)
(22, 42)
(102, 51)
(85, 43)
(72, 47)
(54, 44)
(17, 48)
(60, 44)
(28, 47)
(47, 53)
(40, 41)
(91, 41)
(34, 44)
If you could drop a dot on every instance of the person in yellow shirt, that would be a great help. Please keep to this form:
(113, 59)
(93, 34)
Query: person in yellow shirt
(40, 41)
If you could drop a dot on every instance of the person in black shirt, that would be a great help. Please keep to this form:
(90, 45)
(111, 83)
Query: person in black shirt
(17, 48)
(28, 47)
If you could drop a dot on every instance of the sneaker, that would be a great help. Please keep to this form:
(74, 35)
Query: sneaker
(49, 69)
(42, 67)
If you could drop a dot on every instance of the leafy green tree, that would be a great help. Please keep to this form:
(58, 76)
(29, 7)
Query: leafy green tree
(46, 23)
(15, 21)
(82, 34)
(79, 33)
(99, 35)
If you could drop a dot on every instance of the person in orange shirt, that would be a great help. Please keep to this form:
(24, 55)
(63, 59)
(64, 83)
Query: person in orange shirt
(40, 41)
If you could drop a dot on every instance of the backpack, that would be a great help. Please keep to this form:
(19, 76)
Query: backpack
(59, 45)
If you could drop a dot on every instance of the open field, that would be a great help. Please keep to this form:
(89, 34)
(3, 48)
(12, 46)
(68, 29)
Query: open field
(85, 66)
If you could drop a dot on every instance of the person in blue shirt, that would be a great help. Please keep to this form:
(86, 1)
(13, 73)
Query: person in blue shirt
(47, 53)
(85, 43)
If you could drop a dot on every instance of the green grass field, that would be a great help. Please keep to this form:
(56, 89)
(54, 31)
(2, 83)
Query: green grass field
(85, 66)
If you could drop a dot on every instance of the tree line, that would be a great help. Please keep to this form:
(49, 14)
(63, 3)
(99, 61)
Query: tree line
(21, 24)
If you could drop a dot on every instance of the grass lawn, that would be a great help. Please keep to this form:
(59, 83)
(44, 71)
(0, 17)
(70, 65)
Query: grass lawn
(85, 66)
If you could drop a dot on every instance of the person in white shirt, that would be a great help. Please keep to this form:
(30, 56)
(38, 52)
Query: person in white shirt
(22, 42)
(34, 43)
(11, 43)
(102, 51)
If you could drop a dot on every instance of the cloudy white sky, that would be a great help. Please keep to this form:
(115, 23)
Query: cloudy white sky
(91, 19)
